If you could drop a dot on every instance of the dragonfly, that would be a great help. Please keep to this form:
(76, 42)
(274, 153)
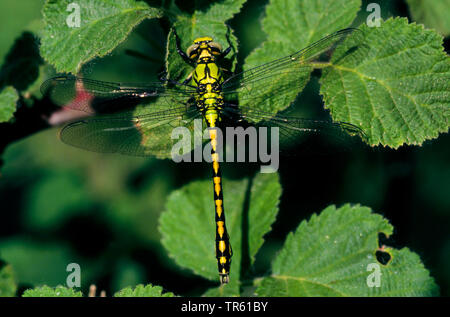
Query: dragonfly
(136, 119)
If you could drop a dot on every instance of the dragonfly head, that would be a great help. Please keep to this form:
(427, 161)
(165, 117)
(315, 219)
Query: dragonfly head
(204, 47)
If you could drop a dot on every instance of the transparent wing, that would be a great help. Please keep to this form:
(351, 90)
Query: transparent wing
(94, 96)
(273, 86)
(142, 135)
(297, 135)
(129, 119)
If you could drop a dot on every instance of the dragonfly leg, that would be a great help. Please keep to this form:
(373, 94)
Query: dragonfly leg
(180, 51)
(227, 72)
(230, 45)
(188, 79)
(164, 79)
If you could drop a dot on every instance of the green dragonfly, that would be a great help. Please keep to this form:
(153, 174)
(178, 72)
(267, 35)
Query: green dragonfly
(137, 119)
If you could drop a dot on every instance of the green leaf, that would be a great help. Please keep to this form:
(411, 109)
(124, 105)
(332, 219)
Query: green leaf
(330, 255)
(434, 14)
(209, 21)
(143, 291)
(8, 285)
(8, 99)
(297, 23)
(291, 25)
(188, 229)
(104, 24)
(265, 195)
(45, 291)
(395, 85)
(21, 66)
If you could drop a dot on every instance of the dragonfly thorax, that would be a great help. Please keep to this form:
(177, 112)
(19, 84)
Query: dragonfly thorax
(207, 77)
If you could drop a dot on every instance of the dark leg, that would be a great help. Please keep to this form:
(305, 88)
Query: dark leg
(228, 49)
(227, 72)
(164, 79)
(188, 79)
(180, 51)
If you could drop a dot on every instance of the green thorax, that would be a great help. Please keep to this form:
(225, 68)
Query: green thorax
(207, 77)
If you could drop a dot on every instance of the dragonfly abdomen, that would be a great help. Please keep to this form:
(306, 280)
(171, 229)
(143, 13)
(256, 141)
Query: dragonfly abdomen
(223, 246)
(211, 101)
(211, 104)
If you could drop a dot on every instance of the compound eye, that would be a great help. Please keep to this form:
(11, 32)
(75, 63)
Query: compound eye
(191, 50)
(215, 46)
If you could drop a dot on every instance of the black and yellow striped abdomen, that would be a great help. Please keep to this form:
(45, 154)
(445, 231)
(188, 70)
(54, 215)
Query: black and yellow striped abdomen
(211, 103)
(223, 246)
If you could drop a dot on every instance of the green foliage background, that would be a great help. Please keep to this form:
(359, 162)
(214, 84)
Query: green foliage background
(61, 205)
